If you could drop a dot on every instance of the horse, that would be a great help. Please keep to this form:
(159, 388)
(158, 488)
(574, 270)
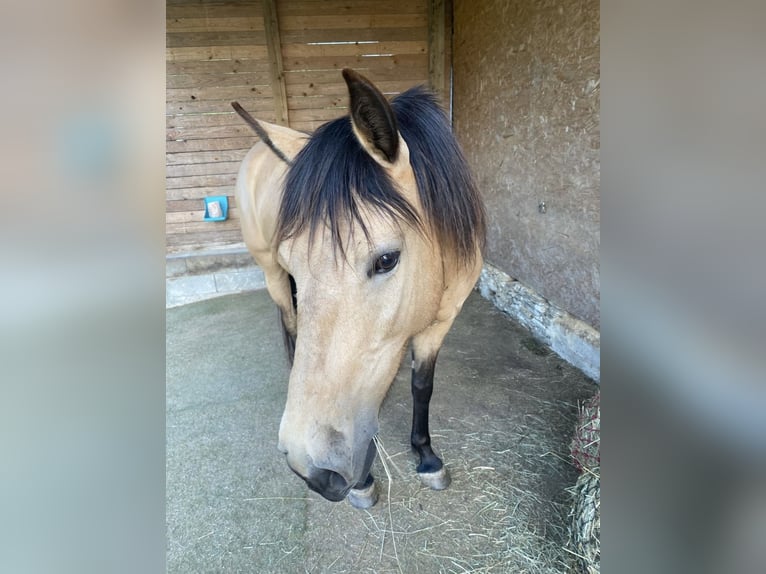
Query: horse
(370, 233)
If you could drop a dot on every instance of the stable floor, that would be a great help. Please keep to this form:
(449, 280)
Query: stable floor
(502, 415)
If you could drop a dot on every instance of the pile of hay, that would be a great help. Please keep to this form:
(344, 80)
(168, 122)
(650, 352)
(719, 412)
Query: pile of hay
(585, 516)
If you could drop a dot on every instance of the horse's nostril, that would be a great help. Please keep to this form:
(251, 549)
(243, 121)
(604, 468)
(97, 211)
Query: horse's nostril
(328, 483)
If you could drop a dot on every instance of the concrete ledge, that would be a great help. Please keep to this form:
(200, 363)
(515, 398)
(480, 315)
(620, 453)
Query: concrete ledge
(194, 277)
(572, 339)
(200, 262)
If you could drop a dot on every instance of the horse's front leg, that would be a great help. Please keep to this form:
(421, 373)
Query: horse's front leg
(431, 469)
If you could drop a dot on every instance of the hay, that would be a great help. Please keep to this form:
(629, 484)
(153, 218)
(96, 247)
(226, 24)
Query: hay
(585, 516)
(586, 443)
(586, 523)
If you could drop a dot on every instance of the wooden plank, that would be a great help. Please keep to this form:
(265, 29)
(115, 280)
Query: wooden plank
(345, 7)
(200, 240)
(204, 120)
(322, 114)
(328, 22)
(191, 227)
(195, 204)
(354, 35)
(215, 93)
(217, 180)
(215, 53)
(340, 89)
(210, 144)
(186, 158)
(314, 102)
(197, 193)
(360, 63)
(177, 25)
(233, 9)
(198, 39)
(274, 47)
(204, 133)
(217, 80)
(216, 67)
(197, 216)
(303, 50)
(263, 106)
(214, 168)
(303, 78)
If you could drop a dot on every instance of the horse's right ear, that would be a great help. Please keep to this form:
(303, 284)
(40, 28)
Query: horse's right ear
(372, 117)
(283, 141)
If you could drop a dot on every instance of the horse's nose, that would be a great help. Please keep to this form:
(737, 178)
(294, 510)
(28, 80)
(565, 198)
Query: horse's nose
(328, 483)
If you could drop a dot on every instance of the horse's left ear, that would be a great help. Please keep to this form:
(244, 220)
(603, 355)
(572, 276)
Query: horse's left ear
(372, 117)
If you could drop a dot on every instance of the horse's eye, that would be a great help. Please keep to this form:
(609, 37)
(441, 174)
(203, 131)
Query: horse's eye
(386, 262)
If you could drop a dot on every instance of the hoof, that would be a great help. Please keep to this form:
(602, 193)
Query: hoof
(365, 497)
(438, 480)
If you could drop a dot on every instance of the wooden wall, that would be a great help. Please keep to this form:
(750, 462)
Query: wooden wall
(281, 59)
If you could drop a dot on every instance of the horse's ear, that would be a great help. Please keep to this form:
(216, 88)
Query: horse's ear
(372, 117)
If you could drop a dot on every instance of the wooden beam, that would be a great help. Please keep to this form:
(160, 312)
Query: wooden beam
(436, 47)
(274, 46)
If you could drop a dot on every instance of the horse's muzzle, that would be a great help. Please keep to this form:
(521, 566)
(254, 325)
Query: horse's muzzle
(328, 483)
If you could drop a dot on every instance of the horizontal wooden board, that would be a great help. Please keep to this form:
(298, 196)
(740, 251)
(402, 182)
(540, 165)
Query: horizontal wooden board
(231, 9)
(261, 107)
(345, 7)
(216, 93)
(197, 193)
(288, 23)
(210, 144)
(340, 88)
(203, 239)
(317, 102)
(217, 80)
(324, 50)
(299, 79)
(204, 120)
(354, 35)
(191, 227)
(195, 204)
(357, 62)
(194, 157)
(321, 114)
(248, 23)
(197, 216)
(226, 179)
(213, 168)
(191, 39)
(215, 53)
(216, 67)
(233, 131)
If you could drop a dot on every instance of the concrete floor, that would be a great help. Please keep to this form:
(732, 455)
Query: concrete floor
(502, 416)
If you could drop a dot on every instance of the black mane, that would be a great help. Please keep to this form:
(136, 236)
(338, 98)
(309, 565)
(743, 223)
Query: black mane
(332, 175)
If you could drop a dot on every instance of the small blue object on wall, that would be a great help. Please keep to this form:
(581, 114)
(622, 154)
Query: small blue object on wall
(216, 208)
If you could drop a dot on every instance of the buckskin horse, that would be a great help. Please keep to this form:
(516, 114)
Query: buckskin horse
(370, 234)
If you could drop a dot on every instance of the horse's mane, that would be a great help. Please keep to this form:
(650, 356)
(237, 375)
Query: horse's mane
(332, 175)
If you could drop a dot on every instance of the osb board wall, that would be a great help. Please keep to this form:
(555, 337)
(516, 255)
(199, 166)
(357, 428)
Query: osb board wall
(217, 51)
(526, 109)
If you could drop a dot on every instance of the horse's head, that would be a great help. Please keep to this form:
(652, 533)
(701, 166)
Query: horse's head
(367, 276)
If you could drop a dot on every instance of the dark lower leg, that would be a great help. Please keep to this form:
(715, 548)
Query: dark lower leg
(367, 482)
(422, 388)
